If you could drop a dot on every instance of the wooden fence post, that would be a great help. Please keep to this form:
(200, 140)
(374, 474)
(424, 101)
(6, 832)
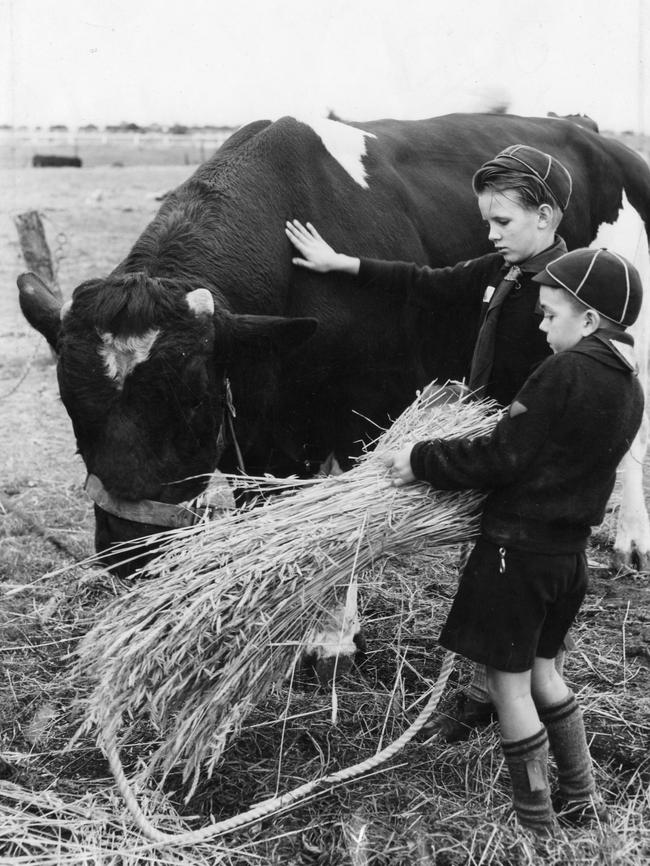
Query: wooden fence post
(36, 253)
(35, 249)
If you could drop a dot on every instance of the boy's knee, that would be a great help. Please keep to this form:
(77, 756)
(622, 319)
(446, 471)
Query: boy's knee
(504, 686)
(546, 685)
(507, 688)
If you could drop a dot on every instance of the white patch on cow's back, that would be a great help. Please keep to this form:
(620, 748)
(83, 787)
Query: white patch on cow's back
(121, 355)
(346, 144)
(627, 236)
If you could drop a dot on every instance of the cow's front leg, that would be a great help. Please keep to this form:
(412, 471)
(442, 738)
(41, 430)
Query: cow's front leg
(332, 646)
(632, 543)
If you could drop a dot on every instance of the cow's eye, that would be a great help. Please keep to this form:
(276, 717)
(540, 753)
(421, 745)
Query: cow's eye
(195, 384)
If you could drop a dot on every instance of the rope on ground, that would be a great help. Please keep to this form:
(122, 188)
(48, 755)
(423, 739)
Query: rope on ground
(275, 804)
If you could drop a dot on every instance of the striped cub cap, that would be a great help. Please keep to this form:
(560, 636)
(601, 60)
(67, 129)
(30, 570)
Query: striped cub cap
(600, 279)
(548, 170)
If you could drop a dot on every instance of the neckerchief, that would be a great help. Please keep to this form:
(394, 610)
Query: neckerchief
(483, 357)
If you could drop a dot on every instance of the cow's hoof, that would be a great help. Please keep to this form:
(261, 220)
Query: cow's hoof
(632, 560)
(331, 668)
(361, 644)
(323, 671)
(7, 771)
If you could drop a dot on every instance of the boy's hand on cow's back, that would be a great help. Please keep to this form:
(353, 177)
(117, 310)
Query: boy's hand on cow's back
(398, 464)
(317, 254)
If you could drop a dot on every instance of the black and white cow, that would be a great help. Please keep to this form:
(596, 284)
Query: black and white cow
(208, 295)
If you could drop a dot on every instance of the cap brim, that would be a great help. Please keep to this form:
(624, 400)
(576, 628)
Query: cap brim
(545, 279)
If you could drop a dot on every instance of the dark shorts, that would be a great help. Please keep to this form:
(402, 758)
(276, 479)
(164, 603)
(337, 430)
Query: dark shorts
(505, 617)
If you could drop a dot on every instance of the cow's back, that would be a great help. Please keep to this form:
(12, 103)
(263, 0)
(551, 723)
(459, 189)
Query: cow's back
(386, 189)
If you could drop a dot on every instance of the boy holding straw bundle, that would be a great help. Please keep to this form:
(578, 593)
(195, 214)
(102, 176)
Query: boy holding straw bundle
(522, 194)
(549, 466)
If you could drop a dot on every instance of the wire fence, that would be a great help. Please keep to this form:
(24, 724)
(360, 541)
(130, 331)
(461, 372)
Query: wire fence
(19, 147)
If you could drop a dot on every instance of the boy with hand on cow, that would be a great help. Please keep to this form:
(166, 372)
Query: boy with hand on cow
(548, 479)
(522, 194)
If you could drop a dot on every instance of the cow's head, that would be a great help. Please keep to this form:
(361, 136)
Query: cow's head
(142, 366)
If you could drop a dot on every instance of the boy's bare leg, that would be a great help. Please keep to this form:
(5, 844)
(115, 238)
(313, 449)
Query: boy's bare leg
(511, 695)
(546, 683)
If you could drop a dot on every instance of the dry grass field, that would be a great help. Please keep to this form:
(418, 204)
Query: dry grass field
(431, 804)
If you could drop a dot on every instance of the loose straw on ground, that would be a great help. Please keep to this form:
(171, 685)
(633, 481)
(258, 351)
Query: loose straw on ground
(229, 605)
(280, 803)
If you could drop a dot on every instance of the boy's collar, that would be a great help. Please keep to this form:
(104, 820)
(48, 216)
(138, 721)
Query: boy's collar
(538, 262)
(611, 346)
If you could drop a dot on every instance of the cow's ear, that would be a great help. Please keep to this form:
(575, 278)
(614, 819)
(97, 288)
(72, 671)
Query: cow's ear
(40, 306)
(261, 333)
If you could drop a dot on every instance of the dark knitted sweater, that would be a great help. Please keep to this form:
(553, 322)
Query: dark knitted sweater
(550, 462)
(457, 296)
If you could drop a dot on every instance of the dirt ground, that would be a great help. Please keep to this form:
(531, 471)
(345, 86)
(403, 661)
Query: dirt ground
(91, 218)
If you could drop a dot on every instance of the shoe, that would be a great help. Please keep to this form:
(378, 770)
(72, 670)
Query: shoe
(6, 770)
(457, 723)
(581, 813)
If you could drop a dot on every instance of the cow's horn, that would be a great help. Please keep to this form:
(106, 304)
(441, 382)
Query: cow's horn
(65, 309)
(200, 302)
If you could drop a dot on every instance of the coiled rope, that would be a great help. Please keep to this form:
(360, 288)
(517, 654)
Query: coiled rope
(275, 804)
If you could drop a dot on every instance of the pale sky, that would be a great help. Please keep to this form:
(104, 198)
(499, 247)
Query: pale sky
(231, 61)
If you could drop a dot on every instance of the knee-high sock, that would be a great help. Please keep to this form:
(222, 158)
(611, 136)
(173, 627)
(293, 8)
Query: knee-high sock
(568, 742)
(527, 761)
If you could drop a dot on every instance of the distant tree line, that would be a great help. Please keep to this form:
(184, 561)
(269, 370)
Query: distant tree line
(174, 129)
(182, 129)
